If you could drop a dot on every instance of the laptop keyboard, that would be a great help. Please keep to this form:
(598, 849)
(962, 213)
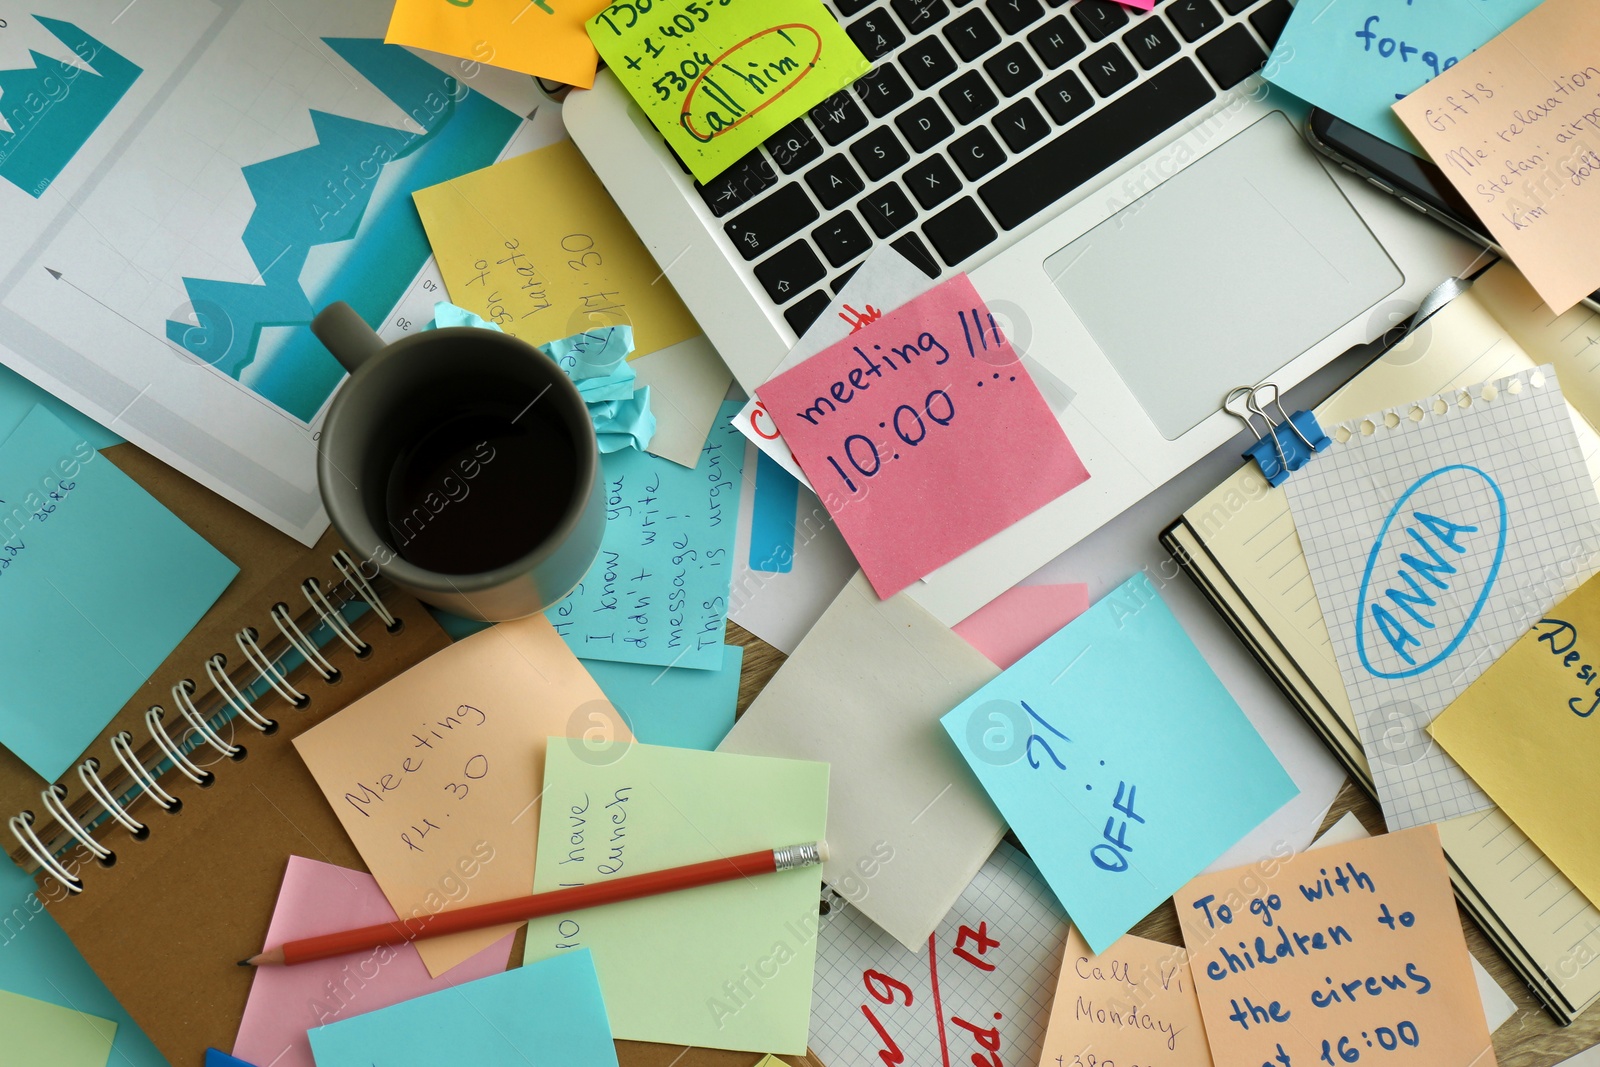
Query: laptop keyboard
(978, 115)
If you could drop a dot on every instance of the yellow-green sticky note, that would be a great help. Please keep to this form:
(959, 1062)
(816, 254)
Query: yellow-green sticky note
(37, 1031)
(721, 966)
(718, 77)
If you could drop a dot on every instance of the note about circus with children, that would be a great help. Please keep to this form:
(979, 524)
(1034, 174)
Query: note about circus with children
(923, 434)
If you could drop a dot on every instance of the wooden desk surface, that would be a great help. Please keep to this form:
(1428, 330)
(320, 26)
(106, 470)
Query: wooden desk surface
(1530, 1038)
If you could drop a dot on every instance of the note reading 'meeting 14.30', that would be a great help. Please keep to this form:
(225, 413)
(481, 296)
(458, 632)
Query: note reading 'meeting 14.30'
(718, 77)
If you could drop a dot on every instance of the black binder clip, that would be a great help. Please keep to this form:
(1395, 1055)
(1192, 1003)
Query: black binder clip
(1288, 443)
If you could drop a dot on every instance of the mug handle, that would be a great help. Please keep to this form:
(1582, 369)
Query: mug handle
(346, 335)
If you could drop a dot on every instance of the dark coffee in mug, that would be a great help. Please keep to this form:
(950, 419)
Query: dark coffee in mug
(481, 489)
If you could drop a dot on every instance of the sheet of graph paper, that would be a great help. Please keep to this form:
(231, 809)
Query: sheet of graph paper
(1437, 533)
(982, 986)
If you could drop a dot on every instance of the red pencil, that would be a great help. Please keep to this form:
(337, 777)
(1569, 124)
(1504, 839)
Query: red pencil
(501, 912)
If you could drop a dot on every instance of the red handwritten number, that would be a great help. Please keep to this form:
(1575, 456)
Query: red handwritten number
(891, 1054)
(889, 986)
(989, 1039)
(984, 944)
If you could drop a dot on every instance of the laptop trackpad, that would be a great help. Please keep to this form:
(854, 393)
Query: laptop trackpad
(1223, 274)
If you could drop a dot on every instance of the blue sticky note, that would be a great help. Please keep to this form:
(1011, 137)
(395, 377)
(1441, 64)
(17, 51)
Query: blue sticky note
(1119, 759)
(1355, 58)
(658, 593)
(215, 1058)
(545, 1014)
(772, 520)
(98, 584)
(671, 706)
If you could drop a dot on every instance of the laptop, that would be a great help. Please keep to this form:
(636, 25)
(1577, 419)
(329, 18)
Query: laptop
(1134, 202)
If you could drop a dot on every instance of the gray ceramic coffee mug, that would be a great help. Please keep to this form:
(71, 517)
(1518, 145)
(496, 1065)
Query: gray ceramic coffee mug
(537, 517)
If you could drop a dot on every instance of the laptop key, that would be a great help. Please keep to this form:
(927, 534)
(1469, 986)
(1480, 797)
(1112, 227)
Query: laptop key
(738, 185)
(793, 146)
(932, 181)
(969, 97)
(924, 124)
(882, 90)
(1015, 16)
(911, 246)
(807, 311)
(1232, 56)
(887, 209)
(1236, 6)
(1151, 43)
(1065, 98)
(879, 154)
(1269, 21)
(876, 35)
(842, 239)
(1108, 69)
(1100, 18)
(770, 221)
(1076, 155)
(788, 273)
(838, 118)
(959, 231)
(1012, 69)
(928, 62)
(850, 7)
(834, 181)
(919, 15)
(1021, 125)
(843, 280)
(1194, 18)
(971, 35)
(1056, 42)
(977, 153)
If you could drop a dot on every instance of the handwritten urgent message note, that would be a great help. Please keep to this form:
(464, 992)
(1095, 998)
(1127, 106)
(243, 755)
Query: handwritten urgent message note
(440, 771)
(722, 966)
(1527, 732)
(1437, 532)
(1345, 954)
(976, 990)
(1516, 128)
(1355, 58)
(545, 38)
(658, 591)
(1119, 759)
(923, 435)
(535, 245)
(718, 77)
(98, 584)
(1133, 1004)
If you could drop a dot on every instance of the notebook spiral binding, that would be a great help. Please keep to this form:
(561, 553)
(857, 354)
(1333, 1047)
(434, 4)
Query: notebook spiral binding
(229, 698)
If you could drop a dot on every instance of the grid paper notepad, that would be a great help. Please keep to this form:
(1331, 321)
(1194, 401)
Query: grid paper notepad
(1437, 533)
(983, 983)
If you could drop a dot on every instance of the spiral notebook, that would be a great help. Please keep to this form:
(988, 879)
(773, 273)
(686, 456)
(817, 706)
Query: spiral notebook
(1240, 547)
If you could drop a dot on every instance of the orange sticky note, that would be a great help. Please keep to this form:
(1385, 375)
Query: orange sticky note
(545, 38)
(1516, 128)
(440, 771)
(1337, 955)
(1134, 1003)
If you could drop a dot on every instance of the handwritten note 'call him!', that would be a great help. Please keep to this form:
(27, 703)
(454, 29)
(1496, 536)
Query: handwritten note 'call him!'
(1346, 954)
(923, 435)
(1516, 127)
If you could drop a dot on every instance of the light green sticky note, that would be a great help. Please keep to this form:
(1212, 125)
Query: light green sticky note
(35, 1031)
(718, 77)
(722, 966)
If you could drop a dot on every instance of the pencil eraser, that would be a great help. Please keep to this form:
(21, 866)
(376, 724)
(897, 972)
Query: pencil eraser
(822, 850)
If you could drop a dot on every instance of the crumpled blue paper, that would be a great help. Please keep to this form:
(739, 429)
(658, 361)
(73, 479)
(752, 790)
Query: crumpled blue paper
(597, 363)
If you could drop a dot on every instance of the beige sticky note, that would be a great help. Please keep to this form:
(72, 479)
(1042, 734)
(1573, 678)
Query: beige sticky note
(1528, 733)
(536, 245)
(1337, 955)
(1133, 1003)
(439, 772)
(1516, 128)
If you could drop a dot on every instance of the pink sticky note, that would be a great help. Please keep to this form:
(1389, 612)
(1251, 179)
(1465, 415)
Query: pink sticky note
(1013, 623)
(319, 898)
(1139, 5)
(923, 435)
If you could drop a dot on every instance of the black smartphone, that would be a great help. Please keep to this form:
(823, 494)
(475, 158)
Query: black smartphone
(1415, 180)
